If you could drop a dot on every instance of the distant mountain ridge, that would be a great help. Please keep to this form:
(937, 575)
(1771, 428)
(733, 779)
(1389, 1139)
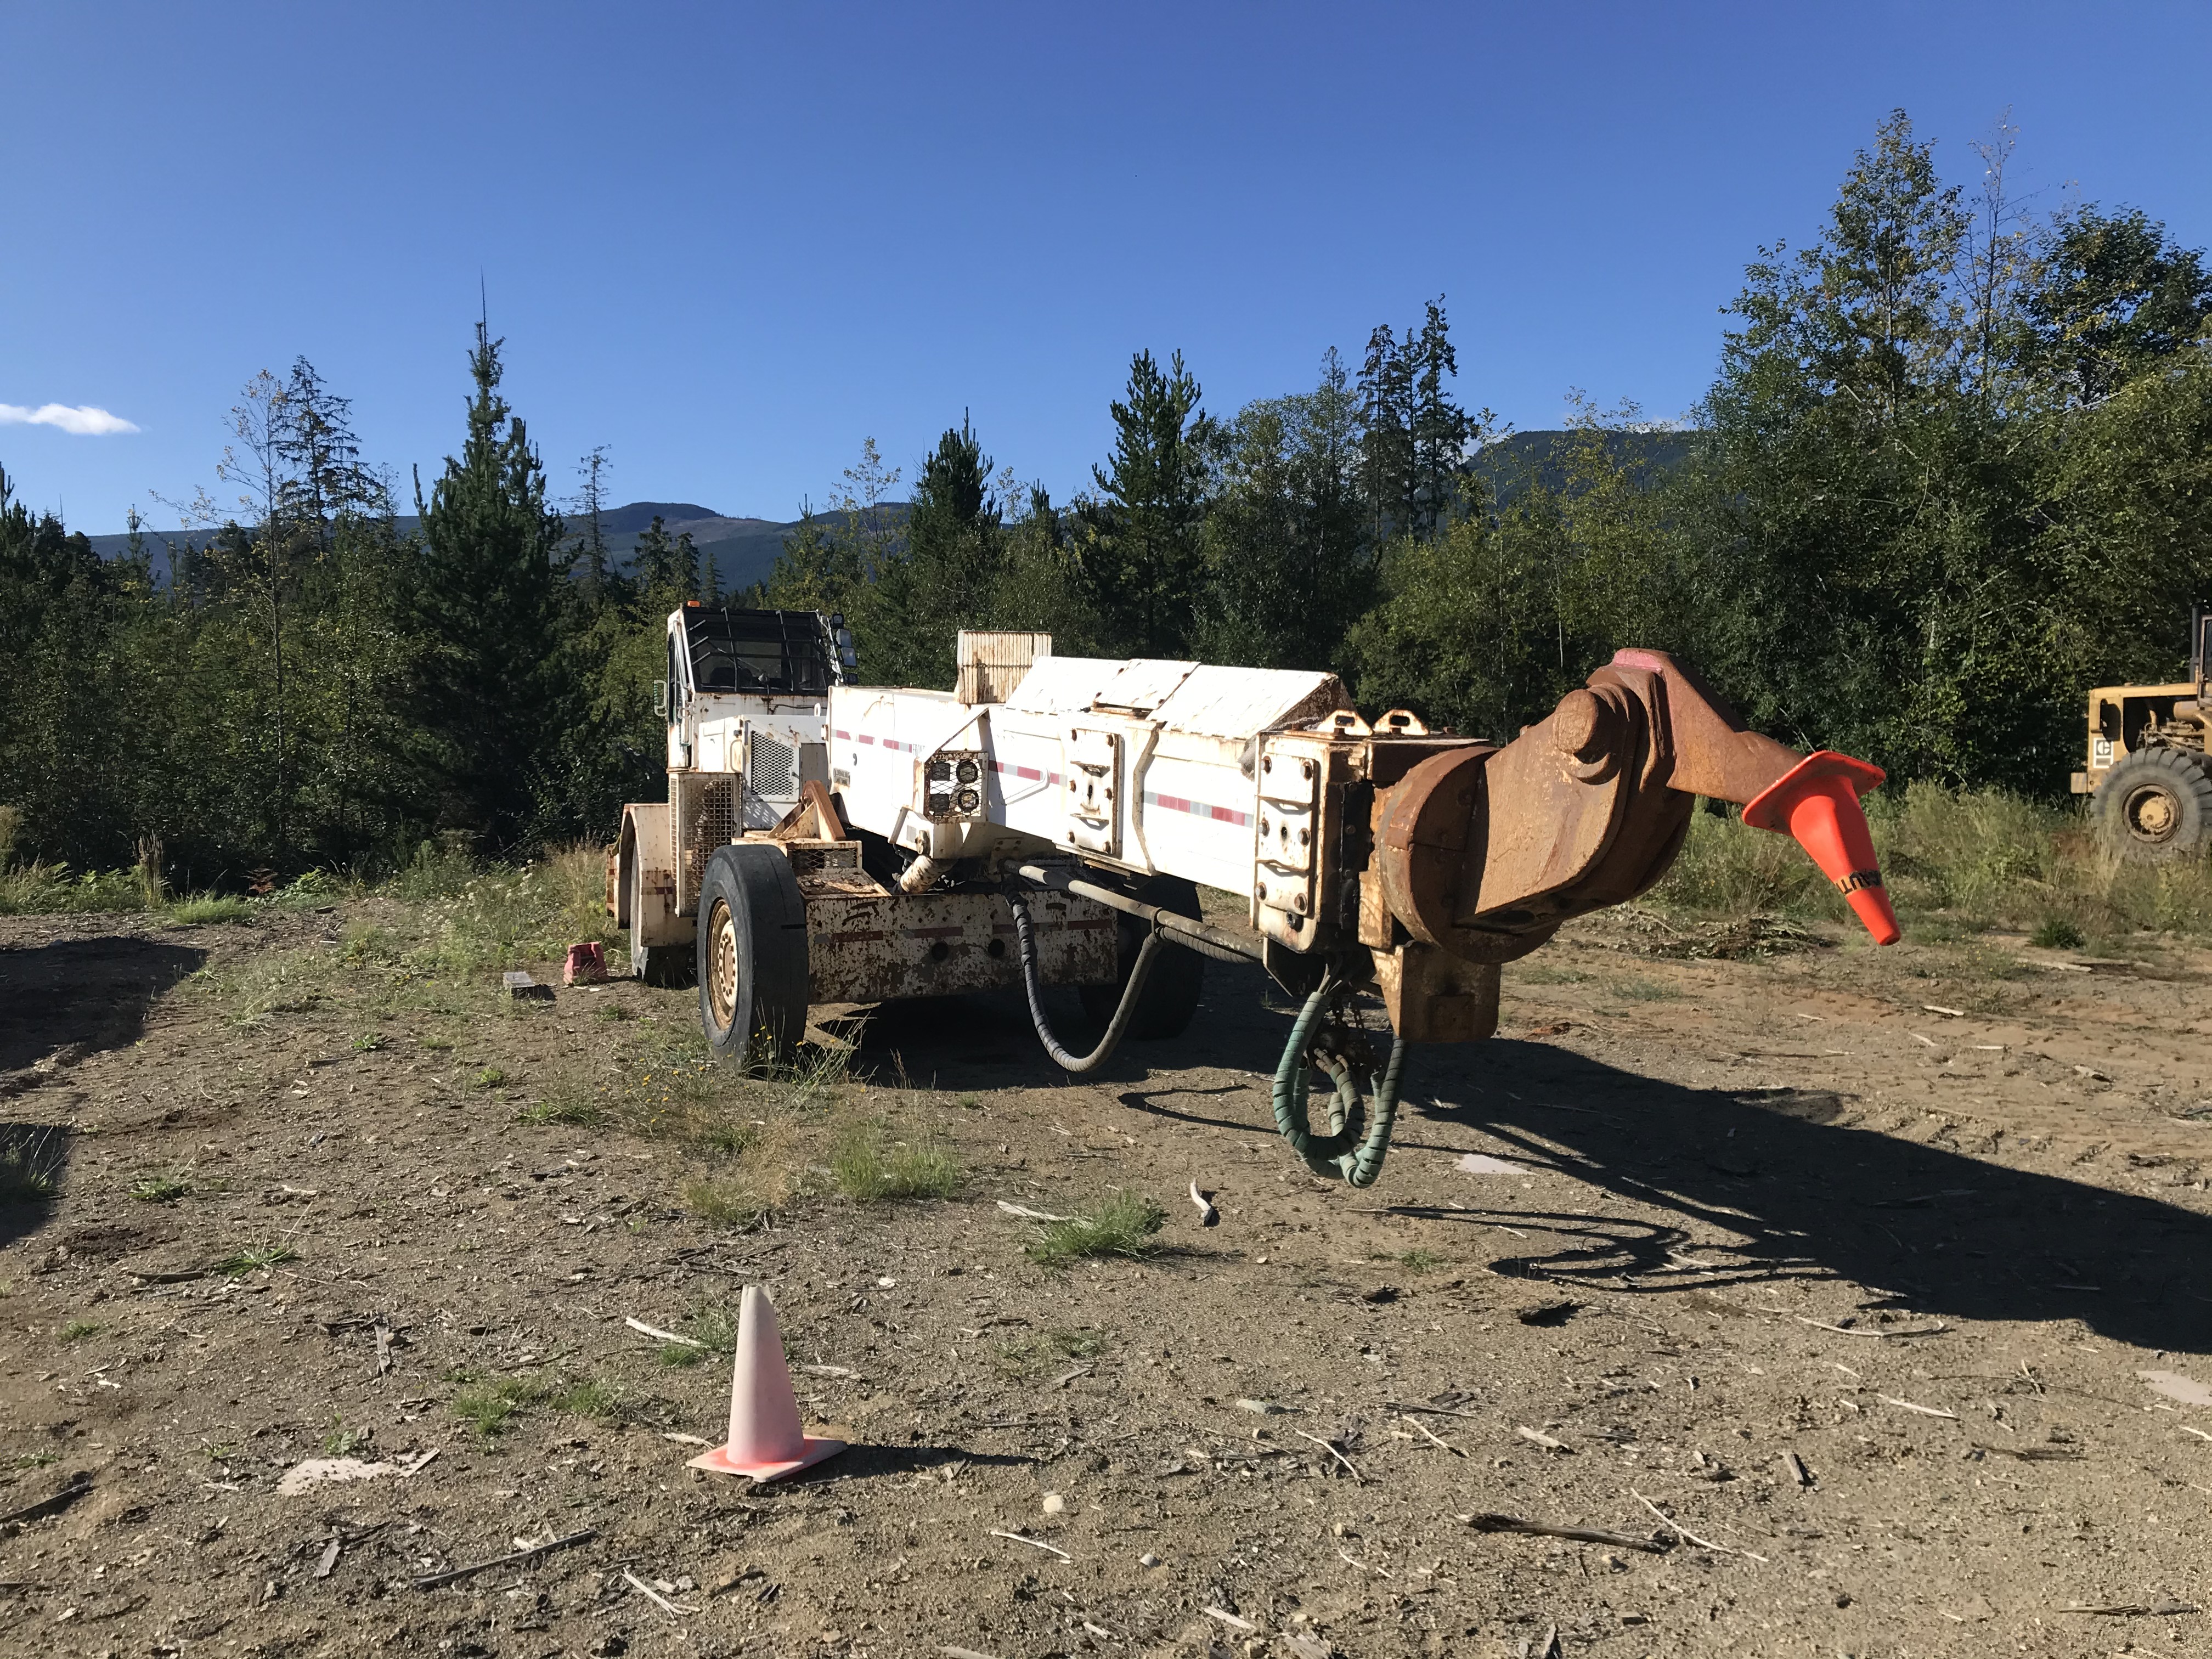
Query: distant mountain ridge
(744, 550)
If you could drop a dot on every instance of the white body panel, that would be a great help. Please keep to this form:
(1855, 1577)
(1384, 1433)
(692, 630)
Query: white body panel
(1146, 766)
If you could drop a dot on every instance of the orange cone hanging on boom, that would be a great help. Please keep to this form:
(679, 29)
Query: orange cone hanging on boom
(1817, 804)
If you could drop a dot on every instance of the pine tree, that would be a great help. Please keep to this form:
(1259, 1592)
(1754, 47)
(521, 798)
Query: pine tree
(487, 605)
(1142, 560)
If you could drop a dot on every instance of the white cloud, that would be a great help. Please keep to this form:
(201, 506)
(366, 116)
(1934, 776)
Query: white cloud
(86, 421)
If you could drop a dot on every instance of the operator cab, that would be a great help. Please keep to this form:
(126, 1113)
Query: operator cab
(748, 693)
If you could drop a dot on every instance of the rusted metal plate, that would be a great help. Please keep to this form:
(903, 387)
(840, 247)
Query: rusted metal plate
(877, 947)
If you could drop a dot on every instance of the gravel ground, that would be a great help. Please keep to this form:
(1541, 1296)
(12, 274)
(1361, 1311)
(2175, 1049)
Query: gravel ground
(1860, 1295)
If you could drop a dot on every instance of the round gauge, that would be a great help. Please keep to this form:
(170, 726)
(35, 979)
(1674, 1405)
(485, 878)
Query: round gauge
(970, 771)
(969, 800)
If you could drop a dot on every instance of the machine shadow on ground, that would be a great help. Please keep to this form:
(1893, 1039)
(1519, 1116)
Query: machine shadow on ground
(1803, 1195)
(84, 993)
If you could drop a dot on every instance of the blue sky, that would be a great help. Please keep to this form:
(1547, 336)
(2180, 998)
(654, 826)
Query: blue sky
(730, 242)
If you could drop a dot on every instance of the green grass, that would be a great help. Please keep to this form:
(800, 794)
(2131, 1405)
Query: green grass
(437, 1044)
(204, 908)
(1420, 1262)
(488, 1077)
(77, 1329)
(736, 1200)
(369, 1042)
(1126, 1223)
(42, 889)
(569, 1104)
(1643, 990)
(29, 1166)
(490, 1408)
(239, 1263)
(342, 1442)
(1956, 861)
(160, 1188)
(2058, 933)
(870, 1168)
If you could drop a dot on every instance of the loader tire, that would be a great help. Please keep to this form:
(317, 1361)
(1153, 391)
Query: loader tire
(2157, 806)
(1169, 1001)
(753, 958)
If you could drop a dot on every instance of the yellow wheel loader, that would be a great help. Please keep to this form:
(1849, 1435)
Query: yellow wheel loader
(2150, 771)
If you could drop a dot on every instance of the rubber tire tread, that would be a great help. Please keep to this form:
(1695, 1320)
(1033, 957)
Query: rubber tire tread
(1168, 1002)
(757, 884)
(2179, 770)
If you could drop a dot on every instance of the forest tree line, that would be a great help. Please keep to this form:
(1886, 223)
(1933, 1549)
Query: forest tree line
(1954, 468)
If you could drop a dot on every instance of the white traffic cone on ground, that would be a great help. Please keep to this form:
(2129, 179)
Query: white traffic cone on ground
(765, 1439)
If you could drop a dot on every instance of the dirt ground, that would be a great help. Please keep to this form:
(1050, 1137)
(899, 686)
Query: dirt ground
(1830, 1281)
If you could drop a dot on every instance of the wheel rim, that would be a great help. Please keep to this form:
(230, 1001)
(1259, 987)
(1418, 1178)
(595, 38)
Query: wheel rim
(2152, 813)
(722, 964)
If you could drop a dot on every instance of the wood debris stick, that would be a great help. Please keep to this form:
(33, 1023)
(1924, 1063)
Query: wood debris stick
(1795, 1467)
(1873, 1331)
(383, 1349)
(1938, 1008)
(419, 1462)
(431, 1581)
(1686, 1535)
(1538, 1438)
(964, 1653)
(1432, 1439)
(1033, 1543)
(48, 1506)
(1331, 1449)
(1029, 1214)
(1917, 1038)
(684, 1439)
(658, 1334)
(329, 1558)
(1364, 1566)
(2199, 1433)
(1439, 1411)
(1546, 1649)
(826, 1370)
(1067, 1377)
(1581, 1534)
(2034, 1454)
(1207, 1215)
(2133, 1609)
(1100, 1629)
(674, 1610)
(1906, 1404)
(1241, 1626)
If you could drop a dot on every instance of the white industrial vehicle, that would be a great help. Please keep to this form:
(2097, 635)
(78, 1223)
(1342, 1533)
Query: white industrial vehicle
(1051, 819)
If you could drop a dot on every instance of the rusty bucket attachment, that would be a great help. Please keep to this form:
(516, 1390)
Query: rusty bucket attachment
(1484, 852)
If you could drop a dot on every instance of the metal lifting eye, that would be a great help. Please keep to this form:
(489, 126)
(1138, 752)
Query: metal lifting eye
(969, 771)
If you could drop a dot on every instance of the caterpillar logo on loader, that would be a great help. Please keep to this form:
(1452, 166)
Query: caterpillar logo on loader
(1051, 820)
(2149, 771)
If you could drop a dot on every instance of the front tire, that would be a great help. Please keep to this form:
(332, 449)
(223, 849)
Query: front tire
(751, 956)
(1169, 1001)
(2157, 806)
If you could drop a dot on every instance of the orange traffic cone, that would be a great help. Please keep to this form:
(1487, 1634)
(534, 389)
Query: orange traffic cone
(1817, 803)
(765, 1439)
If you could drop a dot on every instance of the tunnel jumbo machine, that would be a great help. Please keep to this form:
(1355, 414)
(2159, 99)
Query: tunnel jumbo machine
(1052, 819)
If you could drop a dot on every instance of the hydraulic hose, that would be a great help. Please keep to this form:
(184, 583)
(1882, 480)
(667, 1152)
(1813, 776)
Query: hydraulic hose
(1025, 948)
(1354, 1148)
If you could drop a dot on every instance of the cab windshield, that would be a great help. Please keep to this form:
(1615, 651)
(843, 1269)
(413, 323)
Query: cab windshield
(757, 651)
